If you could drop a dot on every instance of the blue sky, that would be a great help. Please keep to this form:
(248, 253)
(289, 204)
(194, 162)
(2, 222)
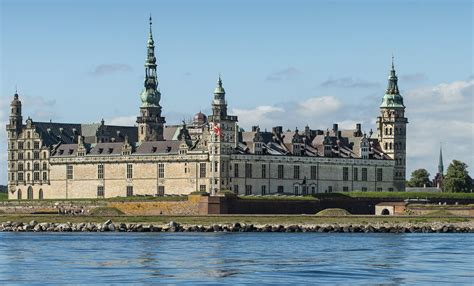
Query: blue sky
(290, 63)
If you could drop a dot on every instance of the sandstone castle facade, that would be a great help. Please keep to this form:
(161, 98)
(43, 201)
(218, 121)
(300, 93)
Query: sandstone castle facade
(48, 160)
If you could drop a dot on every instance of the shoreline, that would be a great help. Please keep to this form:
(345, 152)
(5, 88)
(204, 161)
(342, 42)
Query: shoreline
(109, 226)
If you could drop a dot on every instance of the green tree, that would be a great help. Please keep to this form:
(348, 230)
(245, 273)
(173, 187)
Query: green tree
(419, 178)
(457, 179)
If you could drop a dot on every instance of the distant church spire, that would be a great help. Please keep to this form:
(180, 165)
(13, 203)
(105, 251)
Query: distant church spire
(440, 163)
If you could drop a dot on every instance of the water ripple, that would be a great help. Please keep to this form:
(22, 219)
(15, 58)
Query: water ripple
(236, 258)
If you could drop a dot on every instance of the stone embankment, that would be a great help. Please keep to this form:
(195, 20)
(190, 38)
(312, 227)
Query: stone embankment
(109, 226)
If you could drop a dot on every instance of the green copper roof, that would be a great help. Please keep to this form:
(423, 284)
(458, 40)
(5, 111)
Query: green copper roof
(392, 97)
(219, 89)
(150, 96)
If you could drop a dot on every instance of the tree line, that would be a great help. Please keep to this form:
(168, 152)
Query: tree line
(456, 180)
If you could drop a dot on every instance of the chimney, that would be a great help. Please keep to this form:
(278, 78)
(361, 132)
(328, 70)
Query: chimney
(254, 128)
(277, 130)
(334, 127)
(339, 134)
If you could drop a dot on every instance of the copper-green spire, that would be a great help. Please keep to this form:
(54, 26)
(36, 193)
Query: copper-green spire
(392, 97)
(150, 95)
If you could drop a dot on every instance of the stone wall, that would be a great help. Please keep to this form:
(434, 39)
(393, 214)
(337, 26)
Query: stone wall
(186, 207)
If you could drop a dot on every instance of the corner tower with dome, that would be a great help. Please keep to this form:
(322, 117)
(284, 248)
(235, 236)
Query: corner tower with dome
(391, 128)
(210, 153)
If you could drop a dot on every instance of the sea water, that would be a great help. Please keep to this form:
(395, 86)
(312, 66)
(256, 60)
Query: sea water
(236, 258)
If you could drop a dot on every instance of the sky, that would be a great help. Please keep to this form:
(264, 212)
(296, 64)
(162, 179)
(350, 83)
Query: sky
(290, 63)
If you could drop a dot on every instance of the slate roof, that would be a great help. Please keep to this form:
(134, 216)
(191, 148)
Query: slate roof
(345, 146)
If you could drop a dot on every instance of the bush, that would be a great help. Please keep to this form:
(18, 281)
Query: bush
(333, 212)
(199, 193)
(106, 211)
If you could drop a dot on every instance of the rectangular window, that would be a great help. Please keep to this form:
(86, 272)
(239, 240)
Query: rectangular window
(296, 189)
(264, 171)
(36, 145)
(202, 188)
(345, 174)
(129, 191)
(100, 171)
(36, 155)
(248, 190)
(69, 172)
(248, 170)
(236, 189)
(20, 156)
(20, 145)
(280, 172)
(364, 174)
(379, 189)
(264, 190)
(100, 191)
(280, 189)
(20, 176)
(345, 189)
(36, 176)
(161, 191)
(364, 189)
(390, 189)
(313, 172)
(355, 174)
(202, 171)
(296, 172)
(313, 190)
(129, 171)
(45, 176)
(161, 170)
(236, 170)
(330, 189)
(379, 174)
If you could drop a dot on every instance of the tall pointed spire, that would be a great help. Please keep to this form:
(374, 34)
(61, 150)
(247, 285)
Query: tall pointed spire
(392, 80)
(392, 98)
(440, 162)
(150, 95)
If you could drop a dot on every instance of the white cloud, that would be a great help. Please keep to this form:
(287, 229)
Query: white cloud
(318, 106)
(314, 111)
(443, 113)
(122, 120)
(263, 116)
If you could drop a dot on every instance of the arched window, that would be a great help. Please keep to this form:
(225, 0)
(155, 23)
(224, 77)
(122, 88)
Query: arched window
(18, 194)
(386, 145)
(30, 193)
(28, 177)
(391, 146)
(386, 131)
(390, 130)
(28, 166)
(40, 194)
(44, 166)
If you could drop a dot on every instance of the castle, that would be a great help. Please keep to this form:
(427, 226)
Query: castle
(48, 160)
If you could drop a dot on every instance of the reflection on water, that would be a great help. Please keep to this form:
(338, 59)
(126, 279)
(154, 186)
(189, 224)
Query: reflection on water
(264, 258)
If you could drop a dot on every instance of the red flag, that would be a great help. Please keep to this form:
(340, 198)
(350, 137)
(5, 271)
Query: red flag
(217, 129)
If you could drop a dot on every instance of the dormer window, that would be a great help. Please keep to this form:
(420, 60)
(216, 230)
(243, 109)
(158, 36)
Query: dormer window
(110, 150)
(101, 150)
(153, 150)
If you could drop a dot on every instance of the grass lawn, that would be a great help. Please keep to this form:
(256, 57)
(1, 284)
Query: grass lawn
(3, 196)
(227, 219)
